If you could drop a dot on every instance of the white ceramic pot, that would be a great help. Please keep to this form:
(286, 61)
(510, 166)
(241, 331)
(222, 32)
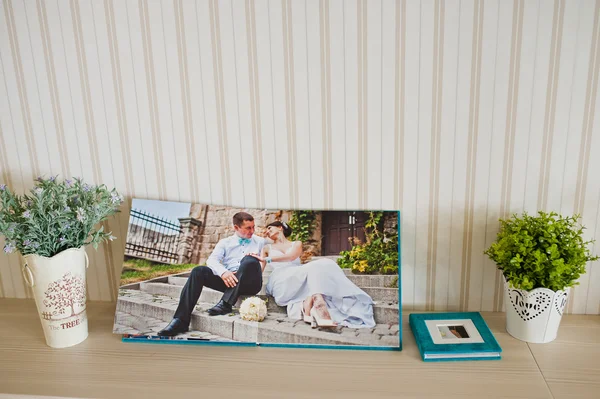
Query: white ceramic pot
(534, 316)
(59, 290)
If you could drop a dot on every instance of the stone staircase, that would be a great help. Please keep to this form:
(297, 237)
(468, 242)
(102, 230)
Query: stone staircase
(145, 325)
(148, 303)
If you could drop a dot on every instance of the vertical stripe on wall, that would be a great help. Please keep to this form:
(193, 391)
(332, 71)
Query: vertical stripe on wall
(118, 93)
(202, 97)
(364, 167)
(10, 269)
(113, 224)
(362, 104)
(349, 187)
(328, 145)
(185, 99)
(255, 102)
(51, 76)
(399, 107)
(388, 80)
(152, 102)
(233, 60)
(92, 135)
(218, 82)
(22, 92)
(85, 87)
(513, 94)
(131, 99)
(288, 58)
(5, 180)
(472, 151)
(302, 109)
(549, 119)
(434, 167)
(586, 133)
(326, 102)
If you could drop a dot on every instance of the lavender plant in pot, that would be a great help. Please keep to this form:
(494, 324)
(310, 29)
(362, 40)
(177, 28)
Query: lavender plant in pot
(541, 257)
(51, 226)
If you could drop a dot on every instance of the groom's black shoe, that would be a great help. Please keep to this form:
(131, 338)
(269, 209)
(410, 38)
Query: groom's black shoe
(175, 327)
(220, 308)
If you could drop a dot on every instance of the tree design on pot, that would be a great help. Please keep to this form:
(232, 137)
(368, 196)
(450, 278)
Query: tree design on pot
(65, 293)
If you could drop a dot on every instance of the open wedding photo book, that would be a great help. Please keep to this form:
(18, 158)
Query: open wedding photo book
(208, 274)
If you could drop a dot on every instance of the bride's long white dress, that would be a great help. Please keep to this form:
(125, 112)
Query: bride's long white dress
(290, 283)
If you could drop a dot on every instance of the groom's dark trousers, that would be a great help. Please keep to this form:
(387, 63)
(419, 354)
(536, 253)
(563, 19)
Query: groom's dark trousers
(249, 277)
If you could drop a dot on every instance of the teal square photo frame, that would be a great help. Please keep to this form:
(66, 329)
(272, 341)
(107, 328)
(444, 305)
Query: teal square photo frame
(454, 336)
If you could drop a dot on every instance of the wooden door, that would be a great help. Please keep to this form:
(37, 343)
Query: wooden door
(339, 227)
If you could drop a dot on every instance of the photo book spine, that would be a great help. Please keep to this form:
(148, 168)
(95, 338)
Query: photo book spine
(412, 321)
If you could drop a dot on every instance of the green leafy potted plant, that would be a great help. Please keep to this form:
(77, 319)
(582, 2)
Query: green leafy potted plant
(50, 226)
(541, 257)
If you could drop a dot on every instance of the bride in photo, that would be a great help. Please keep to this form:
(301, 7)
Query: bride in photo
(318, 291)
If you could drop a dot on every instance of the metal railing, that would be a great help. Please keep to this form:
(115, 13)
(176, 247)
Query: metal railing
(153, 238)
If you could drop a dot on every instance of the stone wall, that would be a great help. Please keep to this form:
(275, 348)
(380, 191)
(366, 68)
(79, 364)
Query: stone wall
(216, 223)
(390, 222)
(187, 248)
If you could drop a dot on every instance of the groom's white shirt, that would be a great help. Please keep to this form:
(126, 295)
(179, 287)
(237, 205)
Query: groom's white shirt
(228, 253)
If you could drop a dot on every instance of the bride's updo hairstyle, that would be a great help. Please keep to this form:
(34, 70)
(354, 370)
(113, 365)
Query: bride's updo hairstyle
(287, 230)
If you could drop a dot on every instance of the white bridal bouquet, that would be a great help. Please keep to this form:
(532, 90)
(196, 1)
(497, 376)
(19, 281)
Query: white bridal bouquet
(253, 309)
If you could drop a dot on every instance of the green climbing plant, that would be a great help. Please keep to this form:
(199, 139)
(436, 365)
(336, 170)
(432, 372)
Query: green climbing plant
(378, 254)
(303, 225)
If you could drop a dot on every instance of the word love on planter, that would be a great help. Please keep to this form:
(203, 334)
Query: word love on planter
(534, 316)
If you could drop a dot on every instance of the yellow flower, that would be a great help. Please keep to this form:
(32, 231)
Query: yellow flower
(361, 266)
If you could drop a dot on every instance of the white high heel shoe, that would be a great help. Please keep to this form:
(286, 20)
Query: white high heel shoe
(317, 321)
(307, 318)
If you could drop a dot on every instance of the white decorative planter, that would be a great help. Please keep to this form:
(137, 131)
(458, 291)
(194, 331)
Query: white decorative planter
(534, 316)
(59, 290)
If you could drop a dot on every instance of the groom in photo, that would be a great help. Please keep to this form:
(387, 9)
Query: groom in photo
(229, 269)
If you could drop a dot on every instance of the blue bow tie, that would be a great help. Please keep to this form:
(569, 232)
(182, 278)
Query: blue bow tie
(244, 241)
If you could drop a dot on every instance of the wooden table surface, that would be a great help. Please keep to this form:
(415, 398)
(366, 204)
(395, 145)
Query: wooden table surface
(104, 367)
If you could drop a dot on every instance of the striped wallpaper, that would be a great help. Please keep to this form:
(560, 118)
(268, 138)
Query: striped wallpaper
(456, 112)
